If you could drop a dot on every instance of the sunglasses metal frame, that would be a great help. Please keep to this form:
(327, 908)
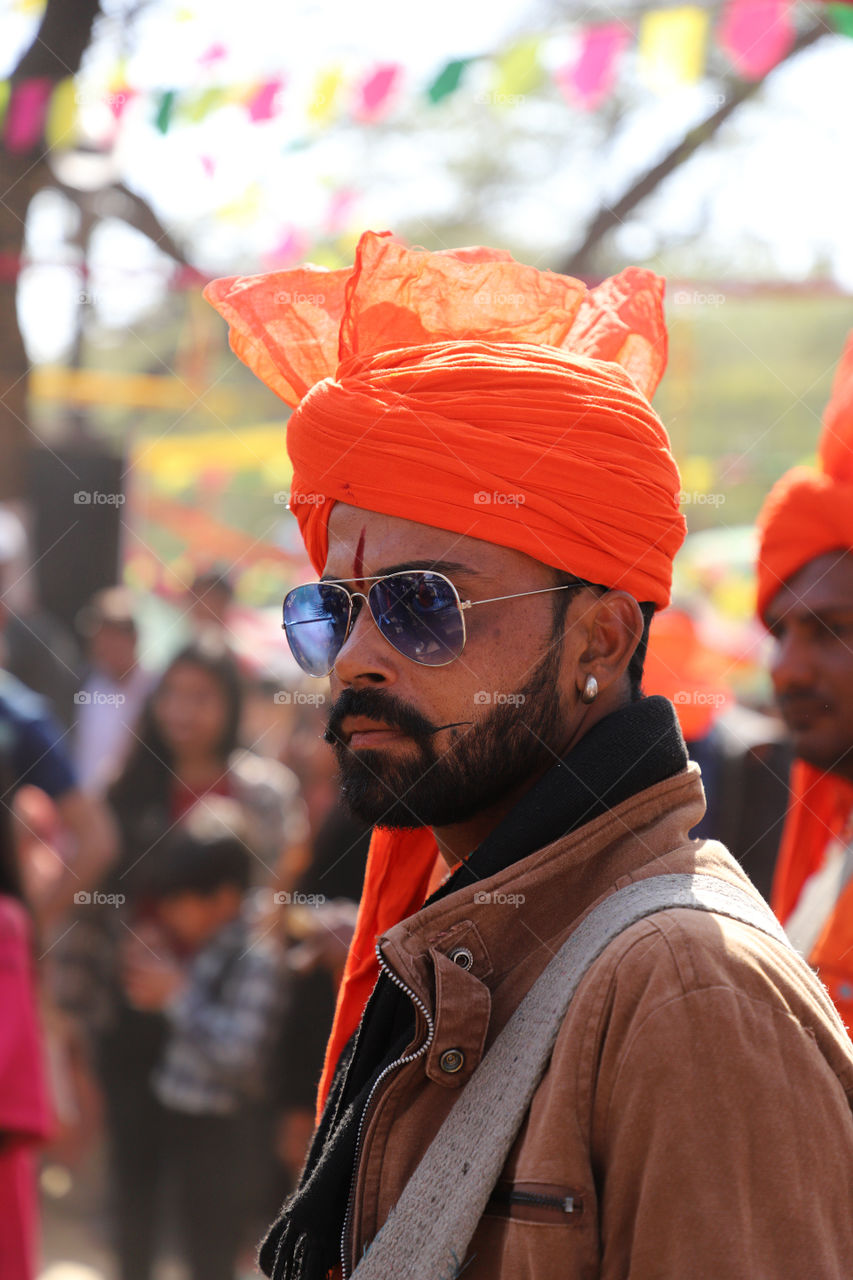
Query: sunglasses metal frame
(461, 604)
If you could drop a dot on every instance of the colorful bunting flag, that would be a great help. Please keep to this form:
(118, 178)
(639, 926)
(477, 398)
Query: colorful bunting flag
(60, 126)
(672, 44)
(197, 107)
(325, 96)
(215, 53)
(5, 88)
(339, 210)
(841, 17)
(164, 111)
(589, 79)
(265, 102)
(291, 247)
(448, 79)
(373, 95)
(519, 70)
(25, 114)
(756, 34)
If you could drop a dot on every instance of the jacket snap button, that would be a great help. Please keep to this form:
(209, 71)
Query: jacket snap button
(463, 957)
(451, 1061)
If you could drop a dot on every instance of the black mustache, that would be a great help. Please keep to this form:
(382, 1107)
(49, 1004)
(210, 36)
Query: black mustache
(802, 697)
(385, 707)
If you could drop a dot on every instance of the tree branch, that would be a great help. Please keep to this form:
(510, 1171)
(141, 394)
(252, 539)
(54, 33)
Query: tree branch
(610, 217)
(60, 42)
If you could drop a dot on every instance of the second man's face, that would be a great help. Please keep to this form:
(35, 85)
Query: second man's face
(811, 622)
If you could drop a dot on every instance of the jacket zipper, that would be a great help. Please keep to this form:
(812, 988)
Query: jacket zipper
(392, 1066)
(505, 1197)
(566, 1204)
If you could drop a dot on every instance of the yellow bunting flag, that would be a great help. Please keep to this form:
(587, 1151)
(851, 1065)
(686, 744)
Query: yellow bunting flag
(323, 105)
(244, 208)
(60, 129)
(519, 71)
(672, 47)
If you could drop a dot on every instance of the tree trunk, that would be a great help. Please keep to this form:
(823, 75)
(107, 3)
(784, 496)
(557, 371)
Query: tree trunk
(55, 53)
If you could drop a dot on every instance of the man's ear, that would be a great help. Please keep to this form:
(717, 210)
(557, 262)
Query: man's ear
(615, 628)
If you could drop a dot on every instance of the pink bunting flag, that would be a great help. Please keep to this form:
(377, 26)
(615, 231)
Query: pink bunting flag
(589, 78)
(264, 104)
(373, 96)
(339, 210)
(26, 113)
(756, 34)
(215, 53)
(208, 163)
(292, 247)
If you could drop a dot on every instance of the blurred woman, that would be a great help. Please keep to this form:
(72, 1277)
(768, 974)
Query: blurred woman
(186, 749)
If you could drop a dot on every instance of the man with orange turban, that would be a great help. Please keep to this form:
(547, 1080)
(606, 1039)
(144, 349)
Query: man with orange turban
(492, 503)
(805, 598)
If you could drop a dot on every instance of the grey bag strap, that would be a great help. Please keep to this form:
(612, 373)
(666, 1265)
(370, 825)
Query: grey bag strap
(426, 1235)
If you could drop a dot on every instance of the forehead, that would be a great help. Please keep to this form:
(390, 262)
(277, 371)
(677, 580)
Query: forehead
(824, 584)
(377, 541)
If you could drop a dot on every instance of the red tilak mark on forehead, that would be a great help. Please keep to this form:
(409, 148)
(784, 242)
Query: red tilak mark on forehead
(358, 563)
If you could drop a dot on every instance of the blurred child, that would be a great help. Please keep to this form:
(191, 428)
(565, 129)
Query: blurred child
(25, 1118)
(219, 986)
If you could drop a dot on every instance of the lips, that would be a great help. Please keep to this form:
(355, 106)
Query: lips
(358, 731)
(800, 712)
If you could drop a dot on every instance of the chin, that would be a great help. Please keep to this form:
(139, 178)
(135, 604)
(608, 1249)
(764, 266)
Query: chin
(829, 757)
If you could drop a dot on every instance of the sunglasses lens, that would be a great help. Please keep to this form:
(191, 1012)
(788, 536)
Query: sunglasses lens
(315, 621)
(419, 614)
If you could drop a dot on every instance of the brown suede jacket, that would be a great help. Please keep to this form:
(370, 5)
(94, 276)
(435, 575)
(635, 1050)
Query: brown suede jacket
(695, 1120)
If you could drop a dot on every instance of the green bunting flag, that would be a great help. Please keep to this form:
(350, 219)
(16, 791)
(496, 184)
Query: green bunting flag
(448, 79)
(164, 111)
(841, 17)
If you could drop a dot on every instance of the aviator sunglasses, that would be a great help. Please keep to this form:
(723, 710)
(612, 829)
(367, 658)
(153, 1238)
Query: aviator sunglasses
(418, 612)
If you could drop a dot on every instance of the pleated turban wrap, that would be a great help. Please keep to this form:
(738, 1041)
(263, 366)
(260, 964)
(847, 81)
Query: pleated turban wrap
(424, 381)
(809, 512)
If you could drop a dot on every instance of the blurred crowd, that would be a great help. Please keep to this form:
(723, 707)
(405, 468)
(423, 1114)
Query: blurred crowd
(173, 858)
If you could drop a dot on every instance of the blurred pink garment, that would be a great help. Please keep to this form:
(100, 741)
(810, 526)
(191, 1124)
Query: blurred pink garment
(25, 1115)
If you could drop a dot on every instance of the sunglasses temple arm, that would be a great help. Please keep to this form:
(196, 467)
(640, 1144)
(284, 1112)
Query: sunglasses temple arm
(566, 586)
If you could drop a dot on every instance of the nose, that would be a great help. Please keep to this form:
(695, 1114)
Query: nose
(791, 661)
(366, 658)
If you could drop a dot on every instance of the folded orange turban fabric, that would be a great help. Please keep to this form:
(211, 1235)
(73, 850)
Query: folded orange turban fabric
(421, 381)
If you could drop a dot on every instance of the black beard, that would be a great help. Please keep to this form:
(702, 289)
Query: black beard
(480, 767)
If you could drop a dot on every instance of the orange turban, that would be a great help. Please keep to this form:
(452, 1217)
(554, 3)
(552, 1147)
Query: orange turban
(810, 512)
(425, 381)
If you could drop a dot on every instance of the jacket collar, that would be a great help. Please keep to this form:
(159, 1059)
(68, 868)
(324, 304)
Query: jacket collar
(454, 954)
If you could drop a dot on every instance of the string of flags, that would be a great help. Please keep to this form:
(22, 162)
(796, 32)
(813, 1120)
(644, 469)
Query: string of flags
(671, 46)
